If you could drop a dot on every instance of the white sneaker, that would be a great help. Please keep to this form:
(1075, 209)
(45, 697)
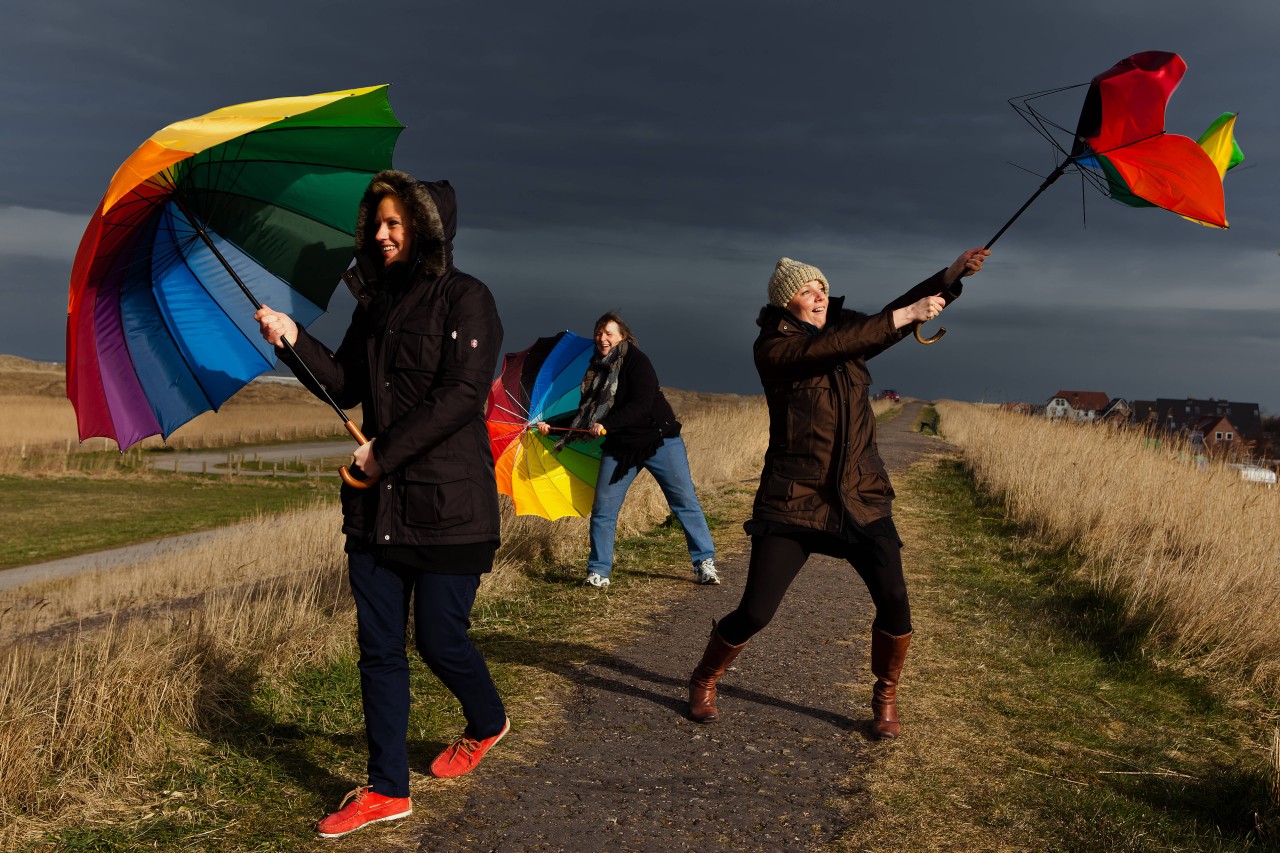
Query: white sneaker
(594, 579)
(705, 571)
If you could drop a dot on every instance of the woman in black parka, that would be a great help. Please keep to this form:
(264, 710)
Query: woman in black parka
(418, 357)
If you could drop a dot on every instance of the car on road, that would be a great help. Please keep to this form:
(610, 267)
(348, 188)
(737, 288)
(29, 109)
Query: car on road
(888, 394)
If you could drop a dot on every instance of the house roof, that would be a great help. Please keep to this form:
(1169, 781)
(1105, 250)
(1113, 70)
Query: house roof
(1089, 401)
(1185, 413)
(1213, 423)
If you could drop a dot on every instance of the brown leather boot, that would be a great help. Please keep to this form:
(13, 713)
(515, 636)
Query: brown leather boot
(887, 655)
(702, 684)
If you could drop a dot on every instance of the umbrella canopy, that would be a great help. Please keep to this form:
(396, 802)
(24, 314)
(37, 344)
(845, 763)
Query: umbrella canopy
(1121, 146)
(249, 204)
(542, 383)
(1122, 126)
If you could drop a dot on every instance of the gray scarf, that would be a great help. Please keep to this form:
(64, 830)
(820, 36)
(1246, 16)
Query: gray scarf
(599, 387)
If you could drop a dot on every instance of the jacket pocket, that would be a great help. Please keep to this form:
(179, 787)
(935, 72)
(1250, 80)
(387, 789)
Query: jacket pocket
(873, 480)
(437, 499)
(418, 352)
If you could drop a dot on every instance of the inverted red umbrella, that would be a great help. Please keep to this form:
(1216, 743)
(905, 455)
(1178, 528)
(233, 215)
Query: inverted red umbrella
(206, 220)
(1121, 146)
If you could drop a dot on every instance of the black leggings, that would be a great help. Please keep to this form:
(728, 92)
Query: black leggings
(776, 560)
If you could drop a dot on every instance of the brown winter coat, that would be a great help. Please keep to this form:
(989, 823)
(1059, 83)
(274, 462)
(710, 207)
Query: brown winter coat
(822, 461)
(421, 372)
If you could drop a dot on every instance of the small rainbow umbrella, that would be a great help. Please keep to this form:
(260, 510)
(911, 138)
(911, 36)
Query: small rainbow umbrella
(542, 383)
(258, 198)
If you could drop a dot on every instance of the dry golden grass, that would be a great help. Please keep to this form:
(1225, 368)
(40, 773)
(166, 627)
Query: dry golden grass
(106, 673)
(1195, 553)
(37, 420)
(99, 694)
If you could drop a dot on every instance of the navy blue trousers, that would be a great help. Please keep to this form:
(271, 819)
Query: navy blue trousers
(441, 606)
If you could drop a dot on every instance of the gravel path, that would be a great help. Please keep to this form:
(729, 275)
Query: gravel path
(629, 771)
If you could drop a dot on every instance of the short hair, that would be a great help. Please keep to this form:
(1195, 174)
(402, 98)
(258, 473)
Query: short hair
(612, 317)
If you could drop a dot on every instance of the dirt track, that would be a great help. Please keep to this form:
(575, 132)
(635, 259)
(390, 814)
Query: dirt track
(629, 771)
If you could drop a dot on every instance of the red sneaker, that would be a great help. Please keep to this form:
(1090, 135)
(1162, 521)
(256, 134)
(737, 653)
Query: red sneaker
(462, 756)
(360, 808)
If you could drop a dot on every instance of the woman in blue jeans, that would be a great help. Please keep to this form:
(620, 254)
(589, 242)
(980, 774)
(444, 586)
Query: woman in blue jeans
(622, 401)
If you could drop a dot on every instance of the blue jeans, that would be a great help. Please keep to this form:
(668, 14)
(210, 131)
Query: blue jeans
(441, 618)
(670, 467)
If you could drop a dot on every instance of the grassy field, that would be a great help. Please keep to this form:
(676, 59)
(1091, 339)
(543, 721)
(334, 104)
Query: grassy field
(45, 518)
(1038, 718)
(1191, 552)
(209, 700)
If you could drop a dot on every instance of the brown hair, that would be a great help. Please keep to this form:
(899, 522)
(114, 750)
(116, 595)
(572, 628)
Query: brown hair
(612, 317)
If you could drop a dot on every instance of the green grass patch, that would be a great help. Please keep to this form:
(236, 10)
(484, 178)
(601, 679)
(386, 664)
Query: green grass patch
(929, 420)
(1043, 719)
(49, 518)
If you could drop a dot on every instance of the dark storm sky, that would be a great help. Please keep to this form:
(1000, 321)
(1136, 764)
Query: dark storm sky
(657, 159)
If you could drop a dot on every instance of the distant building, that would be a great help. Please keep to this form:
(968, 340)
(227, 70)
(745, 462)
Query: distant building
(1117, 411)
(1178, 415)
(1211, 420)
(1217, 436)
(1076, 405)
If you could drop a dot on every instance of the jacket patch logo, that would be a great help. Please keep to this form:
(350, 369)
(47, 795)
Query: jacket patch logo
(474, 343)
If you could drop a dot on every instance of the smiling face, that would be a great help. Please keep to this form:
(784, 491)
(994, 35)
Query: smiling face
(392, 235)
(608, 337)
(810, 304)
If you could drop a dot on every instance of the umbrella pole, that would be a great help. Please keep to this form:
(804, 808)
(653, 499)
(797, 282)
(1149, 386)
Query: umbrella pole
(1053, 176)
(347, 476)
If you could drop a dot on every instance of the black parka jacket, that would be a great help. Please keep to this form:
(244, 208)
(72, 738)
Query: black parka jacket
(422, 381)
(822, 462)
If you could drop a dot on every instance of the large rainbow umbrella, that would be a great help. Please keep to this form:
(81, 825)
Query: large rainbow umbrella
(207, 220)
(542, 383)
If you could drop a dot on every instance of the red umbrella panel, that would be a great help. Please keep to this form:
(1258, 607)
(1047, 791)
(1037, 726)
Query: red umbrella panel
(1121, 133)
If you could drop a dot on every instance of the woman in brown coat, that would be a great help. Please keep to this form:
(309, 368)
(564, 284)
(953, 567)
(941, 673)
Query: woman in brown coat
(824, 488)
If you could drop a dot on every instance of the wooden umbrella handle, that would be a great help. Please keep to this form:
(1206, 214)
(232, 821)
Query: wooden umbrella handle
(915, 328)
(347, 476)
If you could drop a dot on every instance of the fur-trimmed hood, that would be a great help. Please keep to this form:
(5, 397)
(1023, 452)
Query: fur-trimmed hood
(433, 210)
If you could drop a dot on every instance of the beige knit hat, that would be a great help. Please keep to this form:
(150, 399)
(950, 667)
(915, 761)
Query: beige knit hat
(788, 277)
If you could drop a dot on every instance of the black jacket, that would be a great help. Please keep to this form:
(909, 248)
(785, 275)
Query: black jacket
(421, 370)
(640, 416)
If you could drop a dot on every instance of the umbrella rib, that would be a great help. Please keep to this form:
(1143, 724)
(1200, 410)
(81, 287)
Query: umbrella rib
(244, 289)
(523, 418)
